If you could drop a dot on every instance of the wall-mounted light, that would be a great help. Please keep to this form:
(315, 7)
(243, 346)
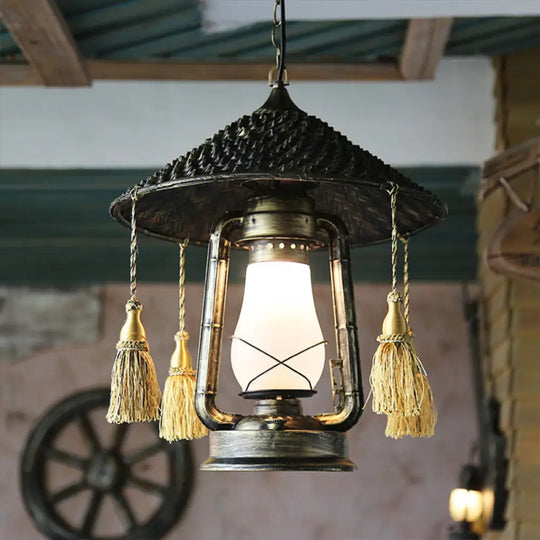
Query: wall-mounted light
(478, 503)
(280, 184)
(466, 504)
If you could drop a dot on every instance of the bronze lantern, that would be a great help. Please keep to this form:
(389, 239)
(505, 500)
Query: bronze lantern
(279, 183)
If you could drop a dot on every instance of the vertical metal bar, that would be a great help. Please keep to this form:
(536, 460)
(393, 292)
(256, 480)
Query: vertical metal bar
(345, 323)
(470, 308)
(210, 341)
(492, 442)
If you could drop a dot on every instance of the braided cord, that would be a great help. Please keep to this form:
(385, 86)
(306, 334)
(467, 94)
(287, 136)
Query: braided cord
(182, 286)
(133, 249)
(393, 207)
(406, 278)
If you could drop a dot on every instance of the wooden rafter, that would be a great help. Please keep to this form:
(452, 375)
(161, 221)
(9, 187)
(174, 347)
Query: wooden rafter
(22, 74)
(42, 34)
(424, 47)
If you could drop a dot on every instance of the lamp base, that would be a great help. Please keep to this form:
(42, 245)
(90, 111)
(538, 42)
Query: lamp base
(270, 450)
(462, 531)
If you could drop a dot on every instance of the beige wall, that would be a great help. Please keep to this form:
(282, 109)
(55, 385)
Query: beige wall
(400, 490)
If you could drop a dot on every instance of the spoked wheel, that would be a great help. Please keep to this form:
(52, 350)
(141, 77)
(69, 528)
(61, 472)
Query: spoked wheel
(83, 478)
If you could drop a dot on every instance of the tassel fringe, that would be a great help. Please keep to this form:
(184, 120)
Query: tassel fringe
(135, 392)
(179, 421)
(394, 384)
(421, 425)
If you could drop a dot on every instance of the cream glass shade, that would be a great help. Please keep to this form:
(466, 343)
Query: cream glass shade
(278, 321)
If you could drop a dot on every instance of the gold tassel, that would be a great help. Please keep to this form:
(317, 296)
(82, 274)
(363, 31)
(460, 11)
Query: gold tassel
(399, 383)
(394, 384)
(178, 417)
(422, 425)
(135, 393)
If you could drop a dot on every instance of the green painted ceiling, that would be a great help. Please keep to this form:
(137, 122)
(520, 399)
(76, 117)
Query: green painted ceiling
(55, 231)
(146, 29)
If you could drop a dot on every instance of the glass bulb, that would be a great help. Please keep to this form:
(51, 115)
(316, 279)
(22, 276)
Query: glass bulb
(488, 502)
(465, 505)
(278, 317)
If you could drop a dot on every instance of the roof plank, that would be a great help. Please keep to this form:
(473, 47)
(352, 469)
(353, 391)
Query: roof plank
(15, 74)
(424, 46)
(41, 32)
(22, 74)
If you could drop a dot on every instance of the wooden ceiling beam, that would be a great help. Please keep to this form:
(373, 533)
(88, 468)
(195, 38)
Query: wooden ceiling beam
(13, 74)
(22, 74)
(39, 29)
(424, 46)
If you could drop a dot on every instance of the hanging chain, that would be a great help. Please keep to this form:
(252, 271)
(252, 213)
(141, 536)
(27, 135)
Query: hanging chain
(278, 23)
(182, 286)
(393, 208)
(133, 249)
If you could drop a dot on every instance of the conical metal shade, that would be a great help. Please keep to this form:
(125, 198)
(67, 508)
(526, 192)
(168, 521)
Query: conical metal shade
(277, 144)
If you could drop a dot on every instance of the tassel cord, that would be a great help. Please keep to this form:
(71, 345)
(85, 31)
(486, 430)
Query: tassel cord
(406, 301)
(393, 209)
(406, 295)
(133, 249)
(181, 286)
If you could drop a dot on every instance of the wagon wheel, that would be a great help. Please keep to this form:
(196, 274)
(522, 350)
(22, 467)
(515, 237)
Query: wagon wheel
(116, 481)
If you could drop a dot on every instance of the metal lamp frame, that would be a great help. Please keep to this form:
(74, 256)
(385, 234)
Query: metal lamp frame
(298, 442)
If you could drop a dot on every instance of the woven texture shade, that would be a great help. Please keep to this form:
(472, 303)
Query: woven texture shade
(277, 145)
